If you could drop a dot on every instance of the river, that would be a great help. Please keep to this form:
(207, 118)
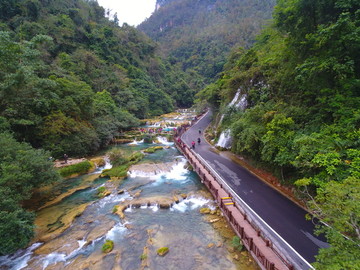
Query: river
(73, 223)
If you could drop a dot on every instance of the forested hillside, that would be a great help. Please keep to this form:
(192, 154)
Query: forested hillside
(198, 35)
(302, 85)
(70, 80)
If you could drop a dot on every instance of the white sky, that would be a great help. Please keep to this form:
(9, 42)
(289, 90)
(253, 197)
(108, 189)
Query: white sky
(133, 12)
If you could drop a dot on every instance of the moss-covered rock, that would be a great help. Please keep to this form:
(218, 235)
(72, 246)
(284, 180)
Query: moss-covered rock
(102, 192)
(163, 251)
(99, 161)
(153, 149)
(115, 209)
(205, 210)
(108, 246)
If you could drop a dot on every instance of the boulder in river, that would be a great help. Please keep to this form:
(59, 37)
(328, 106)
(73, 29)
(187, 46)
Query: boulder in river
(163, 251)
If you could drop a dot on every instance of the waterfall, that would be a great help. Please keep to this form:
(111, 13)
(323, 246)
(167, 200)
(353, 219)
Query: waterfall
(135, 142)
(242, 104)
(225, 139)
(107, 164)
(235, 99)
(239, 101)
(163, 140)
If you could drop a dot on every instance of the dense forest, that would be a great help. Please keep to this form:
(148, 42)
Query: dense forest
(70, 80)
(302, 119)
(198, 35)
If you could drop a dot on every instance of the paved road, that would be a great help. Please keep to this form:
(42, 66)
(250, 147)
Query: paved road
(281, 214)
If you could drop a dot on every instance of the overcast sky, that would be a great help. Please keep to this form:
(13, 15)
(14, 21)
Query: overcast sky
(133, 12)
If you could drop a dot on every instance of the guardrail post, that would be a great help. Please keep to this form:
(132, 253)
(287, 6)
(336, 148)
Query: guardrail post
(251, 244)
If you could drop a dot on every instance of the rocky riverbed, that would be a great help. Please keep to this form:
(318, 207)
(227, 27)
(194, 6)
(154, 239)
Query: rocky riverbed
(160, 204)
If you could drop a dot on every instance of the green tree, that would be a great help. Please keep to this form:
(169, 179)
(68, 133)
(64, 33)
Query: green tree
(343, 233)
(22, 169)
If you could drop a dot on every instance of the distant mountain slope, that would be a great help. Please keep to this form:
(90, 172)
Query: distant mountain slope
(199, 34)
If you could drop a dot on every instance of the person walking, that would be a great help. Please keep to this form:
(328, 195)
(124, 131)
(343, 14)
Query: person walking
(199, 140)
(193, 144)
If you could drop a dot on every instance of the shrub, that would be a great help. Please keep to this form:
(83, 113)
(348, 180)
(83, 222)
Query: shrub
(236, 243)
(117, 157)
(79, 168)
(148, 139)
(143, 257)
(120, 171)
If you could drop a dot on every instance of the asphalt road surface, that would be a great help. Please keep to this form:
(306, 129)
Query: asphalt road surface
(285, 217)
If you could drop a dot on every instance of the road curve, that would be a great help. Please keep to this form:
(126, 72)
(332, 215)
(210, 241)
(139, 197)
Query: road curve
(285, 217)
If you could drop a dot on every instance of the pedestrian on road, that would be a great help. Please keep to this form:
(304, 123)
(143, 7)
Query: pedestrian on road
(193, 144)
(199, 131)
(199, 140)
(65, 158)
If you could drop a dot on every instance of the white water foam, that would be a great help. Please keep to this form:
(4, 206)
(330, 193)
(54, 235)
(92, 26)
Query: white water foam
(163, 140)
(192, 203)
(154, 207)
(101, 168)
(115, 231)
(135, 142)
(53, 258)
(108, 165)
(177, 173)
(156, 125)
(19, 259)
(81, 243)
(113, 198)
